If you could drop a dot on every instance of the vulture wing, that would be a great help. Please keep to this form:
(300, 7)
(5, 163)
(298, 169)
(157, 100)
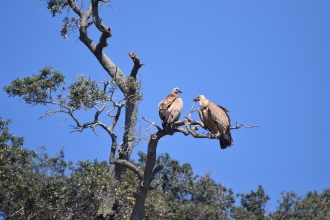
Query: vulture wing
(170, 109)
(174, 111)
(209, 124)
(221, 124)
(223, 108)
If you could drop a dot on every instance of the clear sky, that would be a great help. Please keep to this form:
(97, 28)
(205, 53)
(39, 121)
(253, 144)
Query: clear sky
(268, 62)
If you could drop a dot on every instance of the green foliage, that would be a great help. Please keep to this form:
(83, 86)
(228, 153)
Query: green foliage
(285, 209)
(36, 89)
(42, 187)
(85, 94)
(70, 24)
(252, 205)
(38, 186)
(47, 88)
(14, 161)
(312, 206)
(56, 6)
(135, 84)
(7, 139)
(189, 196)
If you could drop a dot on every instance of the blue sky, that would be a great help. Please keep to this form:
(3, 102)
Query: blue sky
(268, 62)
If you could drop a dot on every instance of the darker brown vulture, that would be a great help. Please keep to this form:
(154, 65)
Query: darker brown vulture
(216, 120)
(170, 108)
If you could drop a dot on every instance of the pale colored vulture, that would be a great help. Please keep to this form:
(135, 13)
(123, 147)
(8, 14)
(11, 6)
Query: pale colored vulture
(216, 120)
(170, 108)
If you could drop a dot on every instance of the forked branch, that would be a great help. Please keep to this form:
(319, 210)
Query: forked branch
(113, 159)
(104, 29)
(244, 125)
(137, 64)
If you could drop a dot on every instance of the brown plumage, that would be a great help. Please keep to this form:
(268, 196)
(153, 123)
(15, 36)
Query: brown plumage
(170, 108)
(216, 120)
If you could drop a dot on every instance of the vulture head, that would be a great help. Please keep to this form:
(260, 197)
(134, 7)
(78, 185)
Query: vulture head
(176, 91)
(201, 99)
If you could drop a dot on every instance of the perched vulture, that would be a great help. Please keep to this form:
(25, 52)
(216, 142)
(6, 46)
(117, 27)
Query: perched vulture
(216, 120)
(170, 108)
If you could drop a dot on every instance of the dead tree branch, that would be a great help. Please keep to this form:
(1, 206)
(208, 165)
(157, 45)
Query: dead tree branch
(137, 64)
(104, 29)
(112, 158)
(157, 169)
(85, 22)
(244, 125)
(153, 123)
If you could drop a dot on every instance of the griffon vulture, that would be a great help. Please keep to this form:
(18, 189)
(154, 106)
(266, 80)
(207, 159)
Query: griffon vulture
(216, 120)
(170, 108)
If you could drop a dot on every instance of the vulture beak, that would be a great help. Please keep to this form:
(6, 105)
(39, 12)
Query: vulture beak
(196, 99)
(179, 91)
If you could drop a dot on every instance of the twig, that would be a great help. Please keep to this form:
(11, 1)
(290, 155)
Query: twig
(244, 125)
(12, 215)
(153, 123)
(192, 110)
(157, 169)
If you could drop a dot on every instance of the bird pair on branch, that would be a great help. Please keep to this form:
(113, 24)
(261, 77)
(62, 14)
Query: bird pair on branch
(215, 118)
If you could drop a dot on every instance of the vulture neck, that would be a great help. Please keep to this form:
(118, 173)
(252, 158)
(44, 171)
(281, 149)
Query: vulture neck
(173, 93)
(203, 103)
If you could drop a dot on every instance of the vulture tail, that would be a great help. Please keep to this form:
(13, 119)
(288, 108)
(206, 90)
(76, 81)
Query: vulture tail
(226, 140)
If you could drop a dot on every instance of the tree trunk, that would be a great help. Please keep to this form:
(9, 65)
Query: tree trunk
(149, 173)
(131, 112)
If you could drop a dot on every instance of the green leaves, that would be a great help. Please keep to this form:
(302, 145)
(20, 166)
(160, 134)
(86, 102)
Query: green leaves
(38, 186)
(69, 25)
(56, 6)
(187, 196)
(312, 206)
(41, 187)
(252, 205)
(85, 94)
(36, 89)
(14, 165)
(47, 88)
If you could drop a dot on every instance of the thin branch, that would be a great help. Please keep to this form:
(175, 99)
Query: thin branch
(191, 110)
(185, 132)
(197, 135)
(89, 12)
(12, 215)
(99, 112)
(115, 119)
(153, 123)
(49, 113)
(157, 169)
(143, 133)
(75, 8)
(112, 159)
(128, 165)
(244, 125)
(89, 23)
(93, 128)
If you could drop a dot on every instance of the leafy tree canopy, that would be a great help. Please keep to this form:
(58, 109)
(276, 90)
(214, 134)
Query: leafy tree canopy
(36, 185)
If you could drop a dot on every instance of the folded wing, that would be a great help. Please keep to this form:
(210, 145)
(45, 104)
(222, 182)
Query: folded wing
(170, 109)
